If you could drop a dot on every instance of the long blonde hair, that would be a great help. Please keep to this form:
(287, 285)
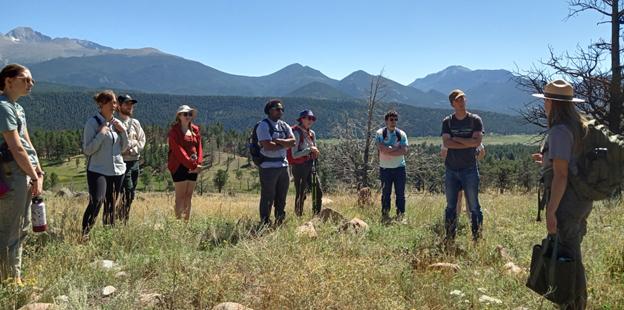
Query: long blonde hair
(565, 113)
(177, 121)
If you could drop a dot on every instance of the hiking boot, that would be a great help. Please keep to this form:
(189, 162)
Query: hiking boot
(386, 219)
(400, 218)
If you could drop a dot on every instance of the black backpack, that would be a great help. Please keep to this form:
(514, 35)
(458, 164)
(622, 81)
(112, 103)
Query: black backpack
(254, 145)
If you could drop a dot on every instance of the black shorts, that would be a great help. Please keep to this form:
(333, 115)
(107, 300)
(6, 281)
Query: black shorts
(182, 175)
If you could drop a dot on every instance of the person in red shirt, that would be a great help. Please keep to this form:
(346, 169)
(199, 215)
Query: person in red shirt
(185, 158)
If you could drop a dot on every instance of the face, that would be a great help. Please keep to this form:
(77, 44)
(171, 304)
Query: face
(22, 84)
(307, 122)
(185, 117)
(126, 108)
(459, 104)
(109, 107)
(391, 122)
(547, 106)
(276, 112)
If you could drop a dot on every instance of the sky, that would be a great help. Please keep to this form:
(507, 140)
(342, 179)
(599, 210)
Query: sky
(407, 39)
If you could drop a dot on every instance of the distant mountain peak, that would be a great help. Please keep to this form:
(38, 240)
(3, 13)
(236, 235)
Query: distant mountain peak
(27, 34)
(457, 68)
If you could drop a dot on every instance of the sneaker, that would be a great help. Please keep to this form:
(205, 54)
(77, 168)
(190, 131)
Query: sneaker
(385, 219)
(400, 218)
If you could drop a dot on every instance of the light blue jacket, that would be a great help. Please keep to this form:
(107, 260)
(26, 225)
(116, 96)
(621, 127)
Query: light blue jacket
(104, 151)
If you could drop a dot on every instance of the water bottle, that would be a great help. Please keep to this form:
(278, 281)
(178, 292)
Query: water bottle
(38, 215)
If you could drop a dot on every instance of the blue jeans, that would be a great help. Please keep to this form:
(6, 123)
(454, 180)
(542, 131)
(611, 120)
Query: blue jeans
(468, 180)
(390, 176)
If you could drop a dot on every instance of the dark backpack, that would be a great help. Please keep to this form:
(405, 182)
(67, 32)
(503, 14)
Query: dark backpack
(399, 133)
(599, 164)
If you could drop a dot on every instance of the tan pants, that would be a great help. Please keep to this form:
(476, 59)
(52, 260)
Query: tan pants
(14, 219)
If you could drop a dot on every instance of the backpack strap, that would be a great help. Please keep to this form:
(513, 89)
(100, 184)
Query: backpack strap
(384, 133)
(301, 137)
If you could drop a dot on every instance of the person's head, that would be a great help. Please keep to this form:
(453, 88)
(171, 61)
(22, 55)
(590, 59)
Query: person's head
(391, 119)
(126, 105)
(306, 119)
(560, 108)
(185, 115)
(16, 80)
(106, 102)
(274, 109)
(457, 98)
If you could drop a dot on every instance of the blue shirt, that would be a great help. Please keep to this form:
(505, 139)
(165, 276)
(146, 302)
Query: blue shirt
(386, 160)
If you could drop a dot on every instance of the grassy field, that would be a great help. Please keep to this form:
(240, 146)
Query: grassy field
(214, 258)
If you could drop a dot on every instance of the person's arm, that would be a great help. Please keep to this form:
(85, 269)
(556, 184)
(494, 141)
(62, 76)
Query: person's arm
(200, 149)
(289, 141)
(475, 141)
(449, 143)
(296, 153)
(140, 137)
(38, 168)
(179, 153)
(92, 139)
(557, 189)
(19, 153)
(402, 149)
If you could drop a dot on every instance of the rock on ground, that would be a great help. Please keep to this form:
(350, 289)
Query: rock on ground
(109, 290)
(151, 300)
(39, 306)
(513, 269)
(445, 267)
(230, 306)
(330, 215)
(307, 230)
(355, 225)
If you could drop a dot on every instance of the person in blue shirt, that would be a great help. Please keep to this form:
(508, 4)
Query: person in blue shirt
(392, 145)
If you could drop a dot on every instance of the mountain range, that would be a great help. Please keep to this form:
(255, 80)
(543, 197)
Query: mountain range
(87, 64)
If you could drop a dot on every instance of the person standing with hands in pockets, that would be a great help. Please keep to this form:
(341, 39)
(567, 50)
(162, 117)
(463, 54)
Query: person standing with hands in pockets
(21, 174)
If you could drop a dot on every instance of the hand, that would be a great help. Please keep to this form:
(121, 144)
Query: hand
(104, 129)
(196, 170)
(118, 125)
(37, 187)
(538, 158)
(314, 151)
(551, 223)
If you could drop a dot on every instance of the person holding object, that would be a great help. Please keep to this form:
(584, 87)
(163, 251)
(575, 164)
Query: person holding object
(301, 158)
(566, 213)
(185, 158)
(104, 141)
(20, 173)
(136, 143)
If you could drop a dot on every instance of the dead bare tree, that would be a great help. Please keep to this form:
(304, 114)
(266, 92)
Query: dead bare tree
(585, 69)
(355, 147)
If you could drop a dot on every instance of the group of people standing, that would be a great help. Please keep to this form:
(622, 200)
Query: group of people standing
(113, 147)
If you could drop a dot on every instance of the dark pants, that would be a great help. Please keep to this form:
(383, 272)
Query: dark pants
(303, 183)
(274, 184)
(455, 180)
(129, 187)
(103, 190)
(389, 177)
(572, 226)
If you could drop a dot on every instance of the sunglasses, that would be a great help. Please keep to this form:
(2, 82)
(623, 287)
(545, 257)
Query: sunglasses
(186, 114)
(26, 79)
(309, 118)
(277, 109)
(393, 119)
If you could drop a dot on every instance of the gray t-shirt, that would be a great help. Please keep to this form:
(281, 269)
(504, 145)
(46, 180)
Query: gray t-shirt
(559, 144)
(281, 130)
(12, 117)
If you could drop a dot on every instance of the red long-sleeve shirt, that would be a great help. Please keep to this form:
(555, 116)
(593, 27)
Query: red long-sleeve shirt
(181, 147)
